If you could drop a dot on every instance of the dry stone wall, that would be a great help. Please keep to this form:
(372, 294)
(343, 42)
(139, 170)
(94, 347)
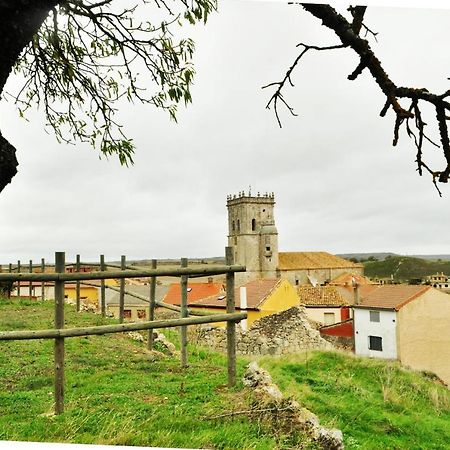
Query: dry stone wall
(286, 332)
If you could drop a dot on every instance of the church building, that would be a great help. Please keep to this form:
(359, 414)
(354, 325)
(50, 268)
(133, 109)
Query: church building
(254, 238)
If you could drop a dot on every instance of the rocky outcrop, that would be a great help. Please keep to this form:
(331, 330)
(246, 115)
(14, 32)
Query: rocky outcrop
(268, 393)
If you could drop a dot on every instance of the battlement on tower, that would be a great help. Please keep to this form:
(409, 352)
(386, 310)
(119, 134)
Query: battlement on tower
(247, 197)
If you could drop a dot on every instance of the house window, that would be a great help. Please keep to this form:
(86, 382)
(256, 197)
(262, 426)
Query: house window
(141, 313)
(127, 313)
(253, 224)
(374, 316)
(328, 318)
(376, 343)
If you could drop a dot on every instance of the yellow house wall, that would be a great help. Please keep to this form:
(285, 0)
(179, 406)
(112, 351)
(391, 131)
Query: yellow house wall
(89, 294)
(423, 334)
(282, 298)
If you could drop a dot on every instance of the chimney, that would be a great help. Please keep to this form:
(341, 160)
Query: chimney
(210, 280)
(355, 284)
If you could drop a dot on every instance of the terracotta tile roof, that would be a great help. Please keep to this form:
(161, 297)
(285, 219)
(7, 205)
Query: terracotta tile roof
(197, 291)
(346, 279)
(348, 292)
(321, 296)
(392, 296)
(313, 260)
(257, 292)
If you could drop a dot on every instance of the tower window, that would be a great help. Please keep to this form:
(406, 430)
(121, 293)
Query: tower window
(238, 225)
(253, 224)
(232, 226)
(267, 248)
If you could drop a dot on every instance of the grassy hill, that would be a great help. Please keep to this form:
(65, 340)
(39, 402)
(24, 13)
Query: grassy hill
(118, 393)
(404, 268)
(376, 404)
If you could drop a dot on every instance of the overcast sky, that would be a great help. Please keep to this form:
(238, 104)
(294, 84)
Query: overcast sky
(339, 184)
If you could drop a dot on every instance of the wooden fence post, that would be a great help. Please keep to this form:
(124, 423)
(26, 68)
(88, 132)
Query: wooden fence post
(184, 313)
(151, 306)
(18, 281)
(43, 283)
(122, 291)
(77, 285)
(102, 287)
(30, 286)
(10, 271)
(59, 342)
(231, 326)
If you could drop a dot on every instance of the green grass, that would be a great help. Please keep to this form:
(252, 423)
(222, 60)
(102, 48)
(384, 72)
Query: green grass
(377, 405)
(116, 392)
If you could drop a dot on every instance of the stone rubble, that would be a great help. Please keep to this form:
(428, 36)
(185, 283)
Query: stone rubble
(282, 333)
(260, 381)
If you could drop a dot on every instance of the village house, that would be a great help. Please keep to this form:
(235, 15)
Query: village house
(135, 308)
(324, 304)
(258, 297)
(254, 238)
(408, 323)
(439, 281)
(22, 289)
(89, 293)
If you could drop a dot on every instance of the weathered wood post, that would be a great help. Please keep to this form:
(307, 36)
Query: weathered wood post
(59, 342)
(231, 326)
(30, 286)
(102, 287)
(122, 290)
(18, 281)
(184, 313)
(151, 306)
(77, 285)
(10, 271)
(43, 283)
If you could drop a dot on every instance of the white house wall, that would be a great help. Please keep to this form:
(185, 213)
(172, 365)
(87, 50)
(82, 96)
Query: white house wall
(385, 328)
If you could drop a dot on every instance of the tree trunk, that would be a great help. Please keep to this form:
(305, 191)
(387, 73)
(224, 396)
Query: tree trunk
(19, 21)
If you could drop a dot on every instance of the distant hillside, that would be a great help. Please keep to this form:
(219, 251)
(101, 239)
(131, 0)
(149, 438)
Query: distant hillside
(366, 256)
(404, 268)
(380, 256)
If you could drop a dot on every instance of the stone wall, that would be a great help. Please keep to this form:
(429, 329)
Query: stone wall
(286, 332)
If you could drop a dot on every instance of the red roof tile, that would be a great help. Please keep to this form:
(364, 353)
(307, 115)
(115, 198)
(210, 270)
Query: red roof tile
(257, 292)
(392, 296)
(197, 291)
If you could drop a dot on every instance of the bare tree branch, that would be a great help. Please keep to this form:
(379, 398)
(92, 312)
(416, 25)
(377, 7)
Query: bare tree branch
(348, 33)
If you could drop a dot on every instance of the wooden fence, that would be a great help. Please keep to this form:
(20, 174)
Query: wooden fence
(59, 333)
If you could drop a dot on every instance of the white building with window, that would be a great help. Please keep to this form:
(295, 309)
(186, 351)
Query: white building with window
(376, 334)
(408, 323)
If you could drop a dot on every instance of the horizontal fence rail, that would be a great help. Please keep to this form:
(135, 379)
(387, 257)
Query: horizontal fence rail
(160, 272)
(146, 299)
(117, 328)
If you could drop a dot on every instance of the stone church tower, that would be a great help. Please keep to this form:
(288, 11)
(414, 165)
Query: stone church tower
(252, 235)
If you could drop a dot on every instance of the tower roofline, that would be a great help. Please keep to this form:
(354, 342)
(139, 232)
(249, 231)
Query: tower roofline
(267, 197)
